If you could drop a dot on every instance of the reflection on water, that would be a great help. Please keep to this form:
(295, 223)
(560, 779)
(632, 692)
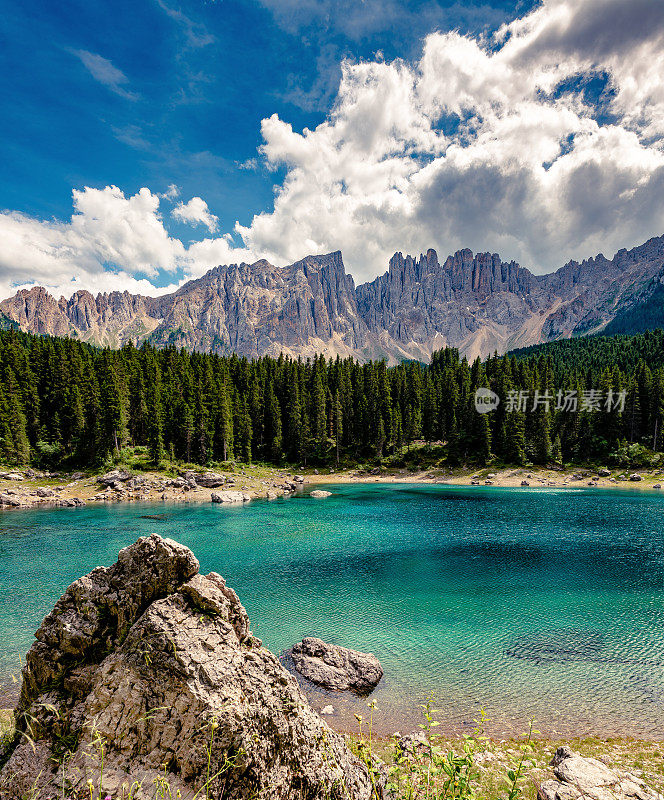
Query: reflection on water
(529, 603)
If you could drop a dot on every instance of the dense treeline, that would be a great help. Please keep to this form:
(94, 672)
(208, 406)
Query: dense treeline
(597, 352)
(64, 401)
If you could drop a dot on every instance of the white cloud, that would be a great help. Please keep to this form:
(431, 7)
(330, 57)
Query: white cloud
(111, 242)
(477, 146)
(491, 143)
(196, 212)
(171, 193)
(104, 72)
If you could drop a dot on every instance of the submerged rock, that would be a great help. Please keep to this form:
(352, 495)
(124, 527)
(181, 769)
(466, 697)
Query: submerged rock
(320, 493)
(336, 668)
(579, 777)
(155, 665)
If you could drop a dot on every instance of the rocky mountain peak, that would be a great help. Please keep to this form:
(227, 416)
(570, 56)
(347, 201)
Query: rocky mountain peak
(474, 301)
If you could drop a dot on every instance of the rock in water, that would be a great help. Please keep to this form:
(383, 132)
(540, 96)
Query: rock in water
(320, 493)
(336, 668)
(153, 666)
(579, 777)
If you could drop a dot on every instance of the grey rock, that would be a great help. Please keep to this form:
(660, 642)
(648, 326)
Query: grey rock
(7, 499)
(336, 668)
(635, 477)
(210, 480)
(114, 478)
(320, 493)
(71, 502)
(525, 483)
(578, 777)
(230, 497)
(157, 662)
(43, 491)
(604, 472)
(11, 476)
(412, 745)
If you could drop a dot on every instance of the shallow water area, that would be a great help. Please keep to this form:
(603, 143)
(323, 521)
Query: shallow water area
(527, 602)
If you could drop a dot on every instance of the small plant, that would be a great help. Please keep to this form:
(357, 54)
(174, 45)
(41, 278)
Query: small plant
(427, 767)
(515, 776)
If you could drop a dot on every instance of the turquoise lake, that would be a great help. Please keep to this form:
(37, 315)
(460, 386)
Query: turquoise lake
(536, 603)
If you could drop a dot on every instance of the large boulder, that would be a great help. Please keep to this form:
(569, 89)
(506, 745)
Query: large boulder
(146, 675)
(578, 777)
(210, 480)
(114, 476)
(334, 667)
(230, 497)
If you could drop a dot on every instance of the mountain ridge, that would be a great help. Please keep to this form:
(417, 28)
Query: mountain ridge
(476, 302)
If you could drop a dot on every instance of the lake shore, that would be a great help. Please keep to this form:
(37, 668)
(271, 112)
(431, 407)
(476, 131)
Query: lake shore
(494, 756)
(21, 489)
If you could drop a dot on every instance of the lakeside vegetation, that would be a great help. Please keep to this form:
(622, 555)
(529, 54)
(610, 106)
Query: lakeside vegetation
(427, 765)
(65, 403)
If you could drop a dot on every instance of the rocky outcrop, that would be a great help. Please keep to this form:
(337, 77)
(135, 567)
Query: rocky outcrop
(336, 668)
(475, 302)
(578, 777)
(146, 674)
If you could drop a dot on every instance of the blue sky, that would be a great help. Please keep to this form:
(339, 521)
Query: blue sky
(162, 93)
(194, 80)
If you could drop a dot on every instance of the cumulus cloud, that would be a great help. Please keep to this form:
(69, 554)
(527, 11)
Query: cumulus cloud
(196, 212)
(485, 142)
(111, 242)
(492, 142)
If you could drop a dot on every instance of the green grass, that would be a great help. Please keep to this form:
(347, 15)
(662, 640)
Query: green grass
(477, 766)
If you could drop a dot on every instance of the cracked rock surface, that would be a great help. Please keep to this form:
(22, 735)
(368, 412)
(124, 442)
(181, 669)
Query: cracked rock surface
(578, 777)
(153, 665)
(336, 668)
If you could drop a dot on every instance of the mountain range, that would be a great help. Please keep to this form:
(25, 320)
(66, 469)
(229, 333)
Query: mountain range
(475, 302)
